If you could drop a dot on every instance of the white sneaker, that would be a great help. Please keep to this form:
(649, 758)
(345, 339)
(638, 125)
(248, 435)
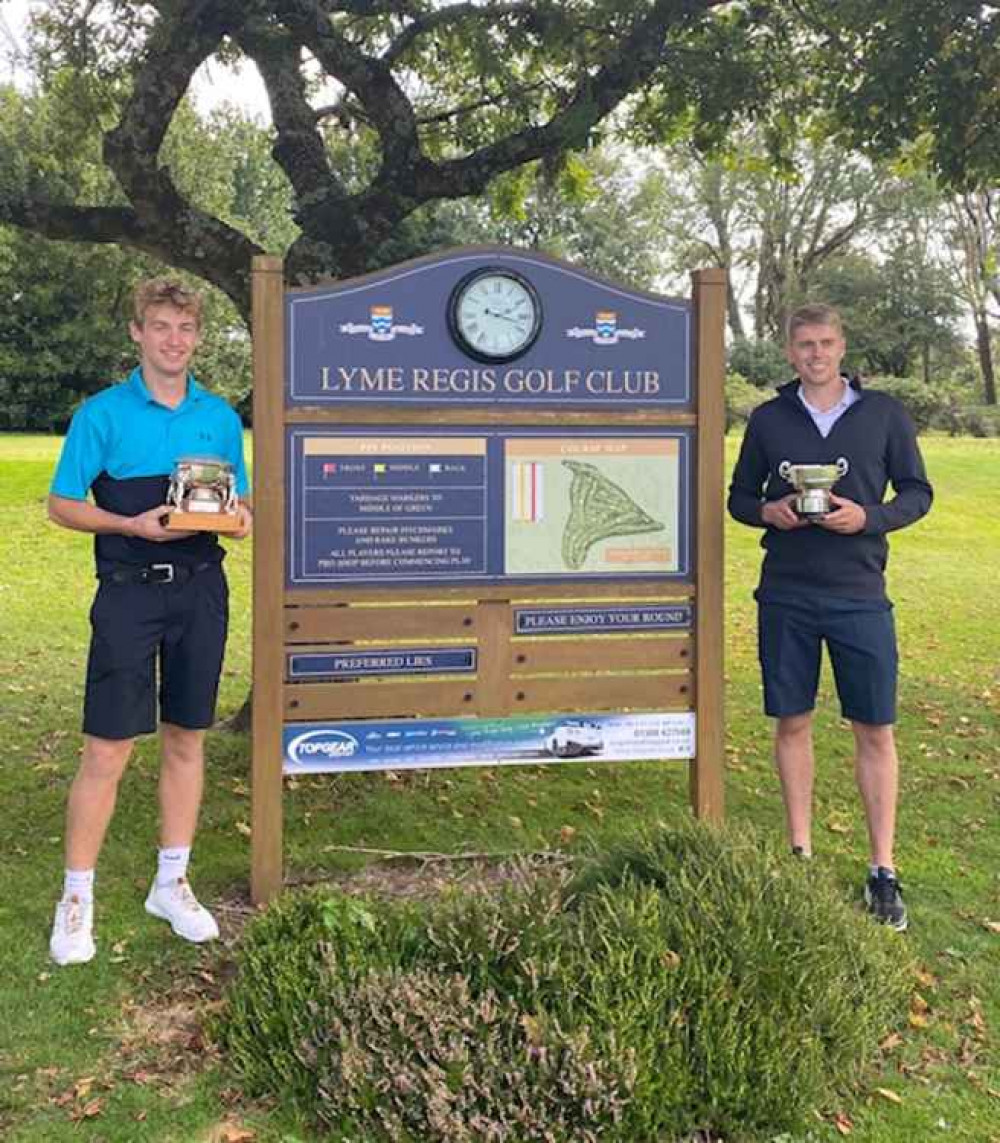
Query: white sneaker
(72, 940)
(176, 903)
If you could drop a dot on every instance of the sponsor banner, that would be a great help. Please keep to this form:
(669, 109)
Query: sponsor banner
(302, 665)
(414, 744)
(588, 620)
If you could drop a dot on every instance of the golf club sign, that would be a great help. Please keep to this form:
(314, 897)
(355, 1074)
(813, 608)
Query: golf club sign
(488, 530)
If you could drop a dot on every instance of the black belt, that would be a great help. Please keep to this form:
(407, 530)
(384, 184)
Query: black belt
(155, 573)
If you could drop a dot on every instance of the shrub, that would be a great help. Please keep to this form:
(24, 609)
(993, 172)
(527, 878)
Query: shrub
(762, 363)
(772, 992)
(741, 399)
(926, 403)
(686, 981)
(276, 1006)
(970, 421)
(419, 1055)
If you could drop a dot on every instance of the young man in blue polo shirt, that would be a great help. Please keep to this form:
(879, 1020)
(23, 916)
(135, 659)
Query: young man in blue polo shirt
(161, 606)
(823, 581)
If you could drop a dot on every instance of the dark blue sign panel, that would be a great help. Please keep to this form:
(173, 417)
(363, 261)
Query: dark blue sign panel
(475, 504)
(306, 665)
(487, 327)
(591, 620)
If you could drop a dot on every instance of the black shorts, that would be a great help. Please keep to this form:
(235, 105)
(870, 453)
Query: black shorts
(136, 628)
(861, 640)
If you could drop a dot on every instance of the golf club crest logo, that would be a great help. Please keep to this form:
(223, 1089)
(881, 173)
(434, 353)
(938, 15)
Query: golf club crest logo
(380, 325)
(605, 330)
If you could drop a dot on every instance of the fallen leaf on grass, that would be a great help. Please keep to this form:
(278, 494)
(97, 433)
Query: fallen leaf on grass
(566, 834)
(916, 1020)
(991, 926)
(89, 1110)
(889, 1094)
(81, 1089)
(918, 1004)
(891, 1042)
(243, 828)
(237, 1135)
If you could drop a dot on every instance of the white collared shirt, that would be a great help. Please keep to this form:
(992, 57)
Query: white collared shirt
(825, 419)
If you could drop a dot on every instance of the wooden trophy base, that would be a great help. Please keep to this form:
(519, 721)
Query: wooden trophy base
(178, 521)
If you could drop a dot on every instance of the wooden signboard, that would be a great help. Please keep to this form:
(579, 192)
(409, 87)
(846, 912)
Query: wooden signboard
(488, 499)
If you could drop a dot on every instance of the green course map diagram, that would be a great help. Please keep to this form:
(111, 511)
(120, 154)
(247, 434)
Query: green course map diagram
(598, 508)
(591, 505)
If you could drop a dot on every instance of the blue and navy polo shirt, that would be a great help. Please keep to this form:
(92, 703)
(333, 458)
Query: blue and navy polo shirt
(122, 446)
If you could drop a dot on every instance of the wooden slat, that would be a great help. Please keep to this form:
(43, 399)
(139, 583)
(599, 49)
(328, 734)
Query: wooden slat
(346, 624)
(602, 692)
(600, 653)
(313, 701)
(707, 773)
(268, 578)
(494, 660)
(661, 591)
(353, 413)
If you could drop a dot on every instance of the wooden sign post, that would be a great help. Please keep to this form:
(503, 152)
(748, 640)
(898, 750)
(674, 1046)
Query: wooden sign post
(488, 497)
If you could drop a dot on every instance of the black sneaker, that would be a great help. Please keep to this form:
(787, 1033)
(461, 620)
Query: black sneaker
(884, 900)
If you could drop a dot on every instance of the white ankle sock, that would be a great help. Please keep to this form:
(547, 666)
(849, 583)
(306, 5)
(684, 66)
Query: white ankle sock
(79, 883)
(172, 863)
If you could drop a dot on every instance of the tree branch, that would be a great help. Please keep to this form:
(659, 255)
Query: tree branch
(213, 251)
(182, 38)
(299, 150)
(456, 13)
(597, 92)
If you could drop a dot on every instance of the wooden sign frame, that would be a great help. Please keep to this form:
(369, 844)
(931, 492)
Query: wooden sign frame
(278, 616)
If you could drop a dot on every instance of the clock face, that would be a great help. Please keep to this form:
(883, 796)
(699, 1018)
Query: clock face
(494, 315)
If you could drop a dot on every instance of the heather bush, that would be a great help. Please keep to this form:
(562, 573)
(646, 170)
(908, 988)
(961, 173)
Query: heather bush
(771, 994)
(686, 981)
(276, 1004)
(420, 1055)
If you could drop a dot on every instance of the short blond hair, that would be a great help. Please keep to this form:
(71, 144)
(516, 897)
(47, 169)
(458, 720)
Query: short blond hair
(814, 313)
(165, 291)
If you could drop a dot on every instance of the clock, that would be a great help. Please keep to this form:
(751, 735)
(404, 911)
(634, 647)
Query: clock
(494, 314)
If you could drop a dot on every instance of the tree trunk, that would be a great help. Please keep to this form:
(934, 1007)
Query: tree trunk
(985, 351)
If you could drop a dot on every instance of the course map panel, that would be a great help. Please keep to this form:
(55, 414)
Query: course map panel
(592, 505)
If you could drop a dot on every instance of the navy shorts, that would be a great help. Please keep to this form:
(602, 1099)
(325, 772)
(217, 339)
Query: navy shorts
(861, 639)
(141, 631)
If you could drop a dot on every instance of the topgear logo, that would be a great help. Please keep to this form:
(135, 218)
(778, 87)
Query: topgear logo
(321, 746)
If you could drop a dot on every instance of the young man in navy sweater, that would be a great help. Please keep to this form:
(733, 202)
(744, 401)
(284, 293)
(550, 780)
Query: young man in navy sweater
(823, 580)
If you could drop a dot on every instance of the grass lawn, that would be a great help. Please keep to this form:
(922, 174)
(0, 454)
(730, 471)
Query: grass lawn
(114, 1050)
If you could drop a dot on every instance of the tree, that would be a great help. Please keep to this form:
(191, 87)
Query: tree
(601, 210)
(433, 102)
(899, 313)
(773, 224)
(975, 218)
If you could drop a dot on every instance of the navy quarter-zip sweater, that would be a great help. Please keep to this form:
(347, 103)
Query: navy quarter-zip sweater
(877, 438)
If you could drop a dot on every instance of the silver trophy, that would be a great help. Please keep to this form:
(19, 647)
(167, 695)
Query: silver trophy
(813, 483)
(202, 496)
